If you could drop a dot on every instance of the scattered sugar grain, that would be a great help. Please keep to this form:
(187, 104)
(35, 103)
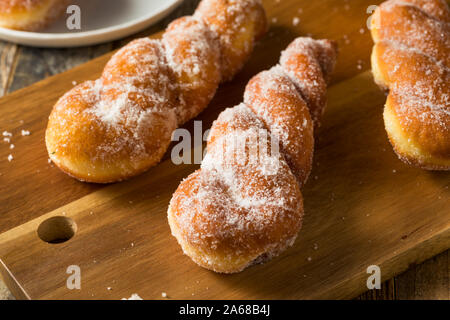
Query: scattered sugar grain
(134, 296)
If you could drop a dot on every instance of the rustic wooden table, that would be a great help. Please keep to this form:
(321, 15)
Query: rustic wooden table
(22, 66)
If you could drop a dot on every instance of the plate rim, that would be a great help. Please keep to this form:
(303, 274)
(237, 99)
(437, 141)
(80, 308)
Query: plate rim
(87, 37)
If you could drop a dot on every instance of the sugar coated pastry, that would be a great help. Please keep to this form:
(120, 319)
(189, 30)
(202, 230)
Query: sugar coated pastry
(244, 205)
(30, 15)
(411, 59)
(121, 124)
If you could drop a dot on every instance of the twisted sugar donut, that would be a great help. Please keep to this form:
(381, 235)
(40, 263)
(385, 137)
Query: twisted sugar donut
(30, 15)
(411, 57)
(244, 205)
(120, 125)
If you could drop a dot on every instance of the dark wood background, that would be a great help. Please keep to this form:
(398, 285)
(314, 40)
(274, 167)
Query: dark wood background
(22, 66)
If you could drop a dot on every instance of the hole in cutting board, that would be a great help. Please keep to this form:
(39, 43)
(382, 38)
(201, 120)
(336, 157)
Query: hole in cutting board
(57, 229)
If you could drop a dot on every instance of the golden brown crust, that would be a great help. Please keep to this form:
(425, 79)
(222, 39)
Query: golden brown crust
(96, 146)
(408, 152)
(30, 15)
(120, 125)
(273, 97)
(412, 27)
(310, 71)
(244, 205)
(237, 24)
(435, 8)
(415, 68)
(234, 213)
(193, 53)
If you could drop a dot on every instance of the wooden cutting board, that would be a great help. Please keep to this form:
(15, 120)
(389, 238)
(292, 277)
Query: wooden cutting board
(363, 206)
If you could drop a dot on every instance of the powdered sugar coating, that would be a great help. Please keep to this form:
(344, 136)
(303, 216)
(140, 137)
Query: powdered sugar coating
(244, 205)
(121, 121)
(310, 71)
(237, 24)
(274, 98)
(234, 209)
(411, 26)
(121, 124)
(193, 53)
(420, 96)
(435, 8)
(411, 57)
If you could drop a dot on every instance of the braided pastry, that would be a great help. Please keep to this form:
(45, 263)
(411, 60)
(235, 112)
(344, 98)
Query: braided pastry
(411, 58)
(244, 205)
(120, 125)
(30, 15)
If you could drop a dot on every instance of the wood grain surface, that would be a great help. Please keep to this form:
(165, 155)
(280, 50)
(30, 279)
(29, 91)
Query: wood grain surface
(363, 205)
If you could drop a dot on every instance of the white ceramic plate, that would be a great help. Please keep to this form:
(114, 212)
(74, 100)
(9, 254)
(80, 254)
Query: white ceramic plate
(101, 21)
